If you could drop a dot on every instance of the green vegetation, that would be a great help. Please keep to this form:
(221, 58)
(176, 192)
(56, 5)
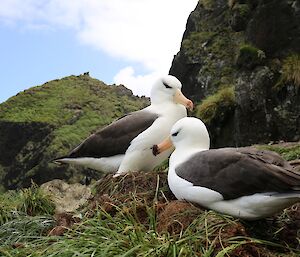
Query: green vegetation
(136, 215)
(207, 4)
(54, 118)
(214, 49)
(290, 71)
(35, 202)
(23, 231)
(240, 14)
(213, 42)
(72, 100)
(28, 201)
(250, 57)
(242, 9)
(124, 235)
(89, 108)
(288, 152)
(216, 105)
(66, 101)
(196, 41)
(8, 206)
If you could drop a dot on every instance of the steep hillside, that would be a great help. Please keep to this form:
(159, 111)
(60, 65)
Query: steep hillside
(47, 121)
(240, 60)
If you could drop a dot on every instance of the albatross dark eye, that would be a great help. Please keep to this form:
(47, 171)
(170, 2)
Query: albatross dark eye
(175, 134)
(166, 85)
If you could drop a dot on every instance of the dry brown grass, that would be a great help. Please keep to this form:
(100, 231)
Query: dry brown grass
(291, 69)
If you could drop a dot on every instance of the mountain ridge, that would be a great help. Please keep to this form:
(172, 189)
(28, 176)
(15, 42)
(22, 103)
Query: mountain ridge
(43, 122)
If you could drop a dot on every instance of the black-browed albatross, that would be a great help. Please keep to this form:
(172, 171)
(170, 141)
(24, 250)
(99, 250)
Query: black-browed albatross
(125, 145)
(243, 182)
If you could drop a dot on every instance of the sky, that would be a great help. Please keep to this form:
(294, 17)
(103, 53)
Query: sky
(129, 42)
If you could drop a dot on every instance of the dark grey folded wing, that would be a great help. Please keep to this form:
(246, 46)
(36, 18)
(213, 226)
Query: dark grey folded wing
(116, 137)
(239, 172)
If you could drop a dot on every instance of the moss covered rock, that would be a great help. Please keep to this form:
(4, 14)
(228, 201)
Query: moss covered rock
(216, 111)
(249, 57)
(240, 16)
(253, 46)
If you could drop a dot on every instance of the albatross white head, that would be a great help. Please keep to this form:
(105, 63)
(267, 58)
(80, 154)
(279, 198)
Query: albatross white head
(168, 89)
(187, 134)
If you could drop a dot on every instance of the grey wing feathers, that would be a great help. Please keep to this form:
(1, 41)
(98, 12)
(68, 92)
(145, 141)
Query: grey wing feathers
(115, 138)
(239, 172)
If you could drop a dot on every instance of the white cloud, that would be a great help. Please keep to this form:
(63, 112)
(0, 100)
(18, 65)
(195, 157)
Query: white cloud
(146, 32)
(139, 84)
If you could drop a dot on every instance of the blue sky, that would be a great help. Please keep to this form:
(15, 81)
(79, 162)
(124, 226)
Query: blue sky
(128, 42)
(33, 57)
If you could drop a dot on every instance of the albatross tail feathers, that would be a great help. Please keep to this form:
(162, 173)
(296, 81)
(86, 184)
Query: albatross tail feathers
(61, 160)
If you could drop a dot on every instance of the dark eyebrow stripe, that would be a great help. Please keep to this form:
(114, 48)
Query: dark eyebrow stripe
(166, 85)
(176, 133)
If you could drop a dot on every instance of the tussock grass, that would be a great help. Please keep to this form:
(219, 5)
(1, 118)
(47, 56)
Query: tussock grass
(250, 57)
(29, 201)
(34, 202)
(8, 206)
(291, 69)
(121, 234)
(24, 228)
(118, 235)
(126, 222)
(216, 105)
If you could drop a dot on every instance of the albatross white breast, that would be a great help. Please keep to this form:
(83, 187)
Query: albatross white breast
(125, 145)
(243, 182)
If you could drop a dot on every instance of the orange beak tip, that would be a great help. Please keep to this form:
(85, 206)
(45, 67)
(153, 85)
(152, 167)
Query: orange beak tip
(190, 105)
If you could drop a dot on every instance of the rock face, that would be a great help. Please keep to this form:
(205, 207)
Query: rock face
(254, 47)
(47, 121)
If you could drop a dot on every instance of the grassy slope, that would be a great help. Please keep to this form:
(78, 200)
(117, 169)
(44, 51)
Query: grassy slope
(74, 107)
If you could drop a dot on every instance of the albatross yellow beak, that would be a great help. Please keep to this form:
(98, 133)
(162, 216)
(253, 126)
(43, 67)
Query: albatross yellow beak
(181, 99)
(163, 146)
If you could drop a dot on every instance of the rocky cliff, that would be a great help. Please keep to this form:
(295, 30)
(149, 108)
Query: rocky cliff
(240, 61)
(47, 121)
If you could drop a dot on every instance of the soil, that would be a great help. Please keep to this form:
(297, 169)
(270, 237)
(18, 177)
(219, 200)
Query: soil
(63, 222)
(175, 216)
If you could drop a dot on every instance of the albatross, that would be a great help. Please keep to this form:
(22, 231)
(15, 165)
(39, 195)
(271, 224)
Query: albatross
(243, 182)
(125, 145)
